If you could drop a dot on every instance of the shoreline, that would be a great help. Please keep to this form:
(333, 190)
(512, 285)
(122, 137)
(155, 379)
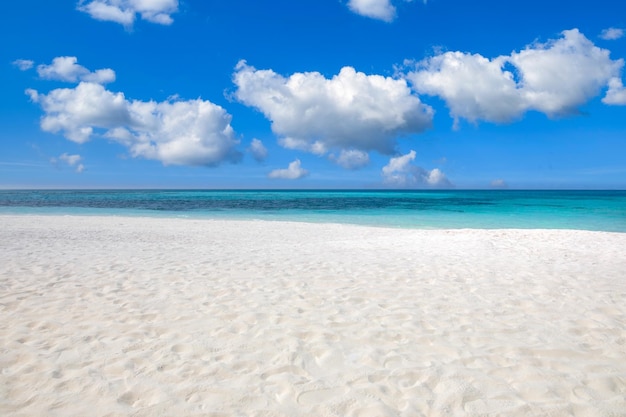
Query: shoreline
(166, 216)
(151, 316)
(398, 209)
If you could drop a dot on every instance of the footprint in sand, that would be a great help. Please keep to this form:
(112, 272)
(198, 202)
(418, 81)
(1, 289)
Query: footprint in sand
(318, 396)
(280, 372)
(180, 348)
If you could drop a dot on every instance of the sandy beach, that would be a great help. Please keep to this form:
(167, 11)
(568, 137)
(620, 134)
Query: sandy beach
(120, 316)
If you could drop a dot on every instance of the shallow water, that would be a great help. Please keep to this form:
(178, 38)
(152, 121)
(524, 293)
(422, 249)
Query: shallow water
(583, 210)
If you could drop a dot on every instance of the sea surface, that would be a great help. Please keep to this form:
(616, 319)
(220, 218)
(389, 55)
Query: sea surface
(493, 209)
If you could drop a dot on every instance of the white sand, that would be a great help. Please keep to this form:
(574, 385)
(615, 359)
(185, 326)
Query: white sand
(112, 316)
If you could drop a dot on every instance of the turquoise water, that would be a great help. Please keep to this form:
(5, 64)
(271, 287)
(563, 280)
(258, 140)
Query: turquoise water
(585, 210)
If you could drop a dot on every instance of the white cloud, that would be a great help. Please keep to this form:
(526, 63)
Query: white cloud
(193, 132)
(612, 34)
(436, 178)
(616, 95)
(107, 11)
(258, 150)
(317, 147)
(351, 159)
(71, 160)
(559, 76)
(401, 172)
(125, 11)
(554, 78)
(473, 86)
(293, 172)
(23, 64)
(398, 164)
(66, 68)
(376, 9)
(351, 110)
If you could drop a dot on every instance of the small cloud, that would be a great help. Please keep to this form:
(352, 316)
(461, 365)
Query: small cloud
(351, 159)
(258, 151)
(70, 160)
(124, 12)
(318, 148)
(293, 172)
(499, 183)
(66, 68)
(33, 94)
(400, 172)
(23, 64)
(375, 9)
(612, 34)
(436, 178)
(616, 95)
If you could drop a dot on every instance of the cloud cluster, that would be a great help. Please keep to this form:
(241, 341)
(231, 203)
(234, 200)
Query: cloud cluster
(293, 172)
(66, 68)
(125, 11)
(351, 110)
(554, 78)
(193, 132)
(71, 160)
(345, 116)
(401, 172)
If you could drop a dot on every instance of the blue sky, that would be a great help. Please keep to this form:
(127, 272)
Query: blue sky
(312, 94)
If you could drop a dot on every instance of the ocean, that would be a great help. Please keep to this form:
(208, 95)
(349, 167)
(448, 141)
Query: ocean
(450, 209)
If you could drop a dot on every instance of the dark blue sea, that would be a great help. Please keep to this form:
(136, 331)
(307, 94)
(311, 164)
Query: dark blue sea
(583, 210)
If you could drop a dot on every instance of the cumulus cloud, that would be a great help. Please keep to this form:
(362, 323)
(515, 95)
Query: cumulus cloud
(561, 75)
(351, 110)
(616, 95)
(472, 86)
(375, 9)
(175, 132)
(258, 150)
(23, 64)
(125, 11)
(66, 68)
(71, 160)
(351, 159)
(293, 172)
(612, 34)
(401, 172)
(554, 78)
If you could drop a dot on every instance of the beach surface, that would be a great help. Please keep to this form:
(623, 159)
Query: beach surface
(121, 316)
